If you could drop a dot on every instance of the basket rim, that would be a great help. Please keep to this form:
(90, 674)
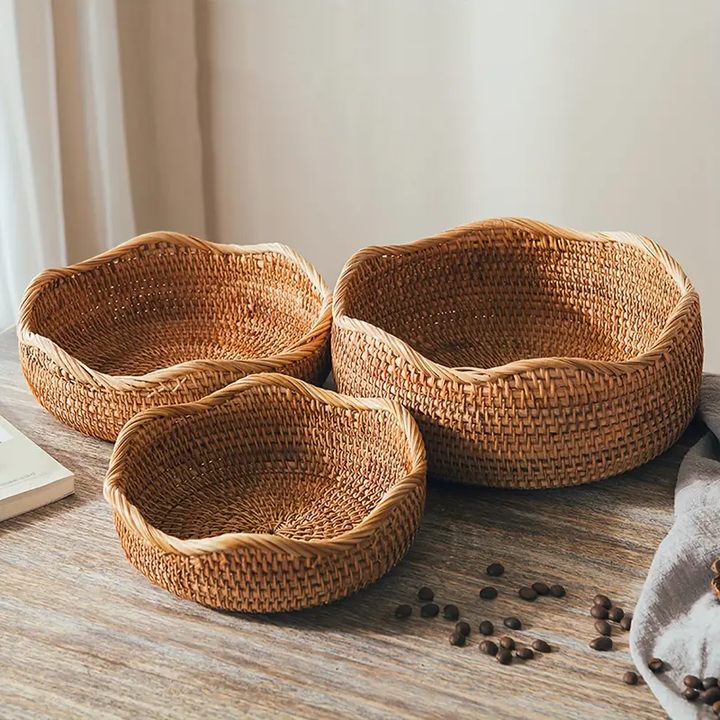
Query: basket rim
(134, 519)
(304, 347)
(475, 375)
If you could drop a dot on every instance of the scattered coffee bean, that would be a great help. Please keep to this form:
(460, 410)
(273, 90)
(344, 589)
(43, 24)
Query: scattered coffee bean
(693, 682)
(603, 627)
(495, 570)
(488, 593)
(486, 627)
(507, 642)
(716, 708)
(504, 657)
(616, 614)
(488, 647)
(430, 610)
(709, 682)
(711, 696)
(557, 591)
(512, 622)
(691, 694)
(463, 627)
(540, 588)
(599, 612)
(603, 600)
(525, 654)
(626, 622)
(457, 639)
(602, 643)
(630, 678)
(425, 594)
(451, 612)
(656, 665)
(527, 593)
(541, 646)
(403, 611)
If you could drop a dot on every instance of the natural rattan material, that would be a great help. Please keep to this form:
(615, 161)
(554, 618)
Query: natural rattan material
(165, 319)
(715, 584)
(532, 356)
(268, 495)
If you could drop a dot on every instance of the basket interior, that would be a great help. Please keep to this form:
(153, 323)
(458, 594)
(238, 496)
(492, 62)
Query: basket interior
(269, 461)
(162, 304)
(500, 296)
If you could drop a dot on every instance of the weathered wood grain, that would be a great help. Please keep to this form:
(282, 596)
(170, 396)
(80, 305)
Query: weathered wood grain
(83, 635)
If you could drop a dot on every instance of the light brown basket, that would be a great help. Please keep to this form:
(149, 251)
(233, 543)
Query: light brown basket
(165, 319)
(531, 355)
(268, 495)
(715, 584)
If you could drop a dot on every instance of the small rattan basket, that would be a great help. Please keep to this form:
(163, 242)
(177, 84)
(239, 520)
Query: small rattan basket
(165, 319)
(532, 356)
(268, 495)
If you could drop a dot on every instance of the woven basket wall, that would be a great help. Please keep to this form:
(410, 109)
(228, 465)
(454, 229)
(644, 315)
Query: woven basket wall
(531, 355)
(165, 319)
(715, 584)
(268, 495)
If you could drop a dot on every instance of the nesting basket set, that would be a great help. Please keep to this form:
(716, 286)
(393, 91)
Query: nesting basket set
(517, 354)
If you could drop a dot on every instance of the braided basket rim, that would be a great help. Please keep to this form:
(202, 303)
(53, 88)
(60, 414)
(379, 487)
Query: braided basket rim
(306, 346)
(463, 235)
(133, 517)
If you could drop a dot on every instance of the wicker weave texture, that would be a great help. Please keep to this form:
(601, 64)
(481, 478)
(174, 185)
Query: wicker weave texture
(165, 319)
(532, 356)
(268, 495)
(715, 584)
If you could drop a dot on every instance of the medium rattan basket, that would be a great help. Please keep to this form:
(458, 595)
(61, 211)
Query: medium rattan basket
(165, 319)
(268, 495)
(532, 356)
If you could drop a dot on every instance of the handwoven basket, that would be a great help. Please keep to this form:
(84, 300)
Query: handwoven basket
(715, 584)
(268, 495)
(165, 319)
(532, 356)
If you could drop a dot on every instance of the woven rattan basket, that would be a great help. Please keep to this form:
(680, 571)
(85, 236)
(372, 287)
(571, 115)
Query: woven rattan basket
(715, 584)
(165, 319)
(268, 495)
(532, 356)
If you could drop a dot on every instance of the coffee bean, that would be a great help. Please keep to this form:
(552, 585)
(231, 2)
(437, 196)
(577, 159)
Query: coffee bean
(626, 622)
(451, 612)
(709, 682)
(616, 614)
(488, 647)
(599, 612)
(525, 654)
(540, 588)
(603, 627)
(457, 639)
(602, 643)
(488, 593)
(656, 665)
(425, 594)
(403, 611)
(507, 642)
(463, 627)
(486, 627)
(527, 593)
(691, 694)
(557, 591)
(429, 610)
(541, 646)
(504, 657)
(716, 708)
(603, 600)
(630, 678)
(711, 696)
(693, 682)
(495, 569)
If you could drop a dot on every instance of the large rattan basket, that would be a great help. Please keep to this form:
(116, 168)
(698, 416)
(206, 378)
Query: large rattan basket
(268, 495)
(165, 319)
(532, 356)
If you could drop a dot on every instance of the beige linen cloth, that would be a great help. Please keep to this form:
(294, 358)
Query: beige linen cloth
(677, 617)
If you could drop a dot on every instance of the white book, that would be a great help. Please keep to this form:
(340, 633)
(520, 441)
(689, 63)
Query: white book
(29, 477)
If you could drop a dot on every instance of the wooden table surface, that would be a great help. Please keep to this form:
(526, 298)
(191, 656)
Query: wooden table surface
(83, 635)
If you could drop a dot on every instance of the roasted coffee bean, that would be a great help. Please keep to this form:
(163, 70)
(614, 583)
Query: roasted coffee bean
(557, 591)
(525, 654)
(602, 643)
(711, 696)
(540, 588)
(425, 594)
(495, 569)
(691, 694)
(403, 611)
(599, 612)
(630, 678)
(457, 639)
(693, 682)
(486, 627)
(656, 665)
(429, 610)
(504, 657)
(451, 612)
(603, 627)
(709, 682)
(527, 593)
(616, 614)
(541, 646)
(463, 627)
(603, 600)
(507, 642)
(488, 647)
(716, 708)
(626, 622)
(488, 593)
(512, 622)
